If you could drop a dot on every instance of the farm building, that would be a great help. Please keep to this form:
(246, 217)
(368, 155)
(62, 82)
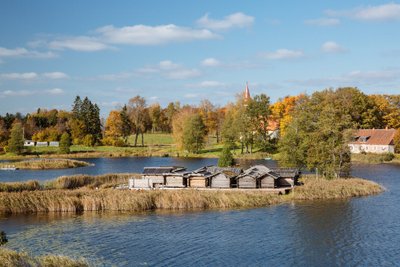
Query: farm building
(140, 183)
(199, 178)
(260, 176)
(373, 141)
(158, 174)
(29, 143)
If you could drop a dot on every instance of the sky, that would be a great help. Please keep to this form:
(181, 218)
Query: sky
(110, 51)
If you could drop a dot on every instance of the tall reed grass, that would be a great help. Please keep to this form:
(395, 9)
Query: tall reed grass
(85, 199)
(43, 164)
(13, 258)
(19, 186)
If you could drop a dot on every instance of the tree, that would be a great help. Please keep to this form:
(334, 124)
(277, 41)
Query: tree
(114, 124)
(16, 141)
(194, 132)
(65, 143)
(126, 124)
(4, 133)
(139, 116)
(397, 141)
(317, 136)
(3, 238)
(226, 157)
(155, 117)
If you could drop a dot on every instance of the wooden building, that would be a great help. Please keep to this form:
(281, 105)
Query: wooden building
(223, 177)
(158, 174)
(176, 179)
(260, 176)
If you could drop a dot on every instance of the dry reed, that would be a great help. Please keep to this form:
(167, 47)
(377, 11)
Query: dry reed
(13, 258)
(19, 186)
(44, 164)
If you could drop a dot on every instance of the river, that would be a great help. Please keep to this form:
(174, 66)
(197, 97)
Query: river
(355, 232)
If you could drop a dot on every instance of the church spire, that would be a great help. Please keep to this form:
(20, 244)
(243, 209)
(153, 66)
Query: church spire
(247, 92)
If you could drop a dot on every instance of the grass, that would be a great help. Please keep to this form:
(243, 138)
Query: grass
(44, 164)
(372, 158)
(13, 258)
(20, 186)
(106, 199)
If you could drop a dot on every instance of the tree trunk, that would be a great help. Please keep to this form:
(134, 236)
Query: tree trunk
(142, 140)
(136, 138)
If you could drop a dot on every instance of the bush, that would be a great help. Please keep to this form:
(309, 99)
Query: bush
(65, 143)
(388, 157)
(89, 140)
(226, 158)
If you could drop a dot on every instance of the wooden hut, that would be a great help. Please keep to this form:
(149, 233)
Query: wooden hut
(176, 179)
(199, 178)
(158, 174)
(255, 177)
(287, 176)
(223, 177)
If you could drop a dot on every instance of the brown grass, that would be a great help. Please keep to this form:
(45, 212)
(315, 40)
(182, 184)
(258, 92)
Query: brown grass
(44, 164)
(13, 258)
(91, 181)
(19, 186)
(85, 199)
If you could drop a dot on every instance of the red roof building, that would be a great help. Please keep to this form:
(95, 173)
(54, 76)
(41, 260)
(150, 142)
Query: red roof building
(373, 141)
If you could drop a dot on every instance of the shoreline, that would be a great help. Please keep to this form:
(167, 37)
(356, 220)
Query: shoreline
(44, 164)
(84, 198)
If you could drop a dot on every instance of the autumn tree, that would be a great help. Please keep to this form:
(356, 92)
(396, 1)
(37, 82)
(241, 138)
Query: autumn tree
(210, 117)
(114, 129)
(4, 133)
(65, 143)
(16, 141)
(170, 111)
(139, 117)
(155, 113)
(397, 141)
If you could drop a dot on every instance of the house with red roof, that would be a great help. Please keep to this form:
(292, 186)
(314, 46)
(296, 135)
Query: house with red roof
(373, 141)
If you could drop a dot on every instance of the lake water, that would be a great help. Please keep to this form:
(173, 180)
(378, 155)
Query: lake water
(114, 165)
(356, 232)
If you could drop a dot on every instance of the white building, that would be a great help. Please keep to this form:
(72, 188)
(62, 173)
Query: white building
(373, 141)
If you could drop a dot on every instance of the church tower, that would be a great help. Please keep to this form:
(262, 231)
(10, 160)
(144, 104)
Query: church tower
(246, 94)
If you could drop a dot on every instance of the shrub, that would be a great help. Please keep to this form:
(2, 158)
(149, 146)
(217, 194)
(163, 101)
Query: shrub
(65, 143)
(89, 140)
(388, 157)
(226, 158)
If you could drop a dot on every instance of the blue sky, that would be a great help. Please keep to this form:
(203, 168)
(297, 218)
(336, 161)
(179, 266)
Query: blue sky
(51, 51)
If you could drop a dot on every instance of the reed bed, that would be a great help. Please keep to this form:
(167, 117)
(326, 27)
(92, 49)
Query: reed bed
(86, 199)
(13, 258)
(44, 164)
(315, 188)
(91, 181)
(19, 186)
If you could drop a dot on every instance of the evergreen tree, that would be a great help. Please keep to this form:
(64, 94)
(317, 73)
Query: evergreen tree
(65, 143)
(16, 141)
(226, 158)
(76, 108)
(126, 124)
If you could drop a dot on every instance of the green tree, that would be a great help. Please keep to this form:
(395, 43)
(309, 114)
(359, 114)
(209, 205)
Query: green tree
(194, 132)
(16, 141)
(317, 135)
(126, 124)
(89, 140)
(226, 157)
(65, 143)
(3, 238)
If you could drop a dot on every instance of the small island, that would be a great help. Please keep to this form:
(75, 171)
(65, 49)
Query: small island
(43, 164)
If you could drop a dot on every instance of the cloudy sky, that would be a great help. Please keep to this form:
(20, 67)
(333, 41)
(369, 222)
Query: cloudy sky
(51, 51)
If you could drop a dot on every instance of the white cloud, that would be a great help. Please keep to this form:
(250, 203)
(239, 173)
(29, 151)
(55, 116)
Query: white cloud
(332, 47)
(79, 43)
(210, 62)
(323, 22)
(19, 76)
(55, 75)
(283, 54)
(17, 93)
(168, 65)
(182, 74)
(390, 11)
(235, 20)
(55, 91)
(152, 35)
(191, 95)
(207, 84)
(32, 76)
(23, 52)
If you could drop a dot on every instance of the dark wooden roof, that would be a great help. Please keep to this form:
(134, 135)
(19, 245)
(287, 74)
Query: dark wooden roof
(162, 170)
(286, 172)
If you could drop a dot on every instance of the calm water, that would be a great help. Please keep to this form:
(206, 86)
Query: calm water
(113, 165)
(357, 232)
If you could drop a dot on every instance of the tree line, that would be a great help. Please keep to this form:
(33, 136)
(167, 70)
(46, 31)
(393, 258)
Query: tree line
(313, 129)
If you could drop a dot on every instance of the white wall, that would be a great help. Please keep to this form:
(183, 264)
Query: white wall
(377, 149)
